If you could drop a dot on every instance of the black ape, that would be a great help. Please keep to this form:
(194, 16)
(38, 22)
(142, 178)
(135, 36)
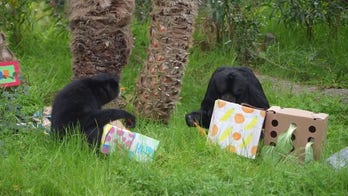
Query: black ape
(234, 84)
(80, 104)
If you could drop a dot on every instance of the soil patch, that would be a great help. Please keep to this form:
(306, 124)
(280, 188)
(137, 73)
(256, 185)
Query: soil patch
(281, 85)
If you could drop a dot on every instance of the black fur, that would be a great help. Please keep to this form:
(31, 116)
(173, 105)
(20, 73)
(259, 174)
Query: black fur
(234, 84)
(80, 104)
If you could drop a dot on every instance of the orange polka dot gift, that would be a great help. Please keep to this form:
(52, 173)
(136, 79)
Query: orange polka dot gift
(236, 128)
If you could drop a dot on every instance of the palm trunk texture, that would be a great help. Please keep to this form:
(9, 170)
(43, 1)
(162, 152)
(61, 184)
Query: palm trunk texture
(101, 39)
(159, 84)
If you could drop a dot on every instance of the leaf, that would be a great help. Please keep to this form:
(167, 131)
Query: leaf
(262, 54)
(284, 143)
(309, 156)
(269, 153)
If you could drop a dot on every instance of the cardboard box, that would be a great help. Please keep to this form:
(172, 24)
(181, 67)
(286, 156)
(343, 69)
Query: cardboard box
(114, 138)
(310, 127)
(9, 72)
(236, 128)
(143, 148)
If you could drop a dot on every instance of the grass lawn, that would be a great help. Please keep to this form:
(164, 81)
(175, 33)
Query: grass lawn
(33, 164)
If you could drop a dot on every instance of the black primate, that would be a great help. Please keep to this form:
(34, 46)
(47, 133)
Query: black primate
(80, 104)
(234, 84)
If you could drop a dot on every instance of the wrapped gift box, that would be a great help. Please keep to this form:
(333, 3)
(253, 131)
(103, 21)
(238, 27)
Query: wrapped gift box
(140, 147)
(115, 137)
(143, 148)
(310, 127)
(9, 72)
(236, 128)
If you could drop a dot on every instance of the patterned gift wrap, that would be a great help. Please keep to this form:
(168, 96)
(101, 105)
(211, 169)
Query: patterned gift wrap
(115, 137)
(236, 128)
(143, 148)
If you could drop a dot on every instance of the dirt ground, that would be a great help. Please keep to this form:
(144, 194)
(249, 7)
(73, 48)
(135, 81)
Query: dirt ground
(281, 85)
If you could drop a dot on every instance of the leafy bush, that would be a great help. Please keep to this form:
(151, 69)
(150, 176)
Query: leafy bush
(19, 18)
(231, 24)
(14, 18)
(12, 117)
(309, 13)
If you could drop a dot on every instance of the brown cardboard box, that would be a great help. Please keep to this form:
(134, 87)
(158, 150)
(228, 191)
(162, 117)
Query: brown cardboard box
(310, 127)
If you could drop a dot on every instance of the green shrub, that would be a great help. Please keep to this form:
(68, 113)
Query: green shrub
(15, 18)
(231, 25)
(309, 13)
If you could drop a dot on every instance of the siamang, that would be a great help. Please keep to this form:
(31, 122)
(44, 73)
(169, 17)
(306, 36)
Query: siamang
(233, 84)
(79, 105)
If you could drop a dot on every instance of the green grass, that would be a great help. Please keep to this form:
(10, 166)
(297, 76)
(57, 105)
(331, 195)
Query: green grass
(320, 62)
(33, 164)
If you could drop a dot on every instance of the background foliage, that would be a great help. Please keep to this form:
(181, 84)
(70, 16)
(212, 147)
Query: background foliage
(309, 13)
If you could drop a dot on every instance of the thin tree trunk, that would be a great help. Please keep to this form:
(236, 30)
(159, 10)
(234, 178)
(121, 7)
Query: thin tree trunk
(5, 52)
(101, 39)
(159, 84)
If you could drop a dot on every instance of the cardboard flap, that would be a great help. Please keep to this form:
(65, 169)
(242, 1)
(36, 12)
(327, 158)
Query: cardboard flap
(298, 112)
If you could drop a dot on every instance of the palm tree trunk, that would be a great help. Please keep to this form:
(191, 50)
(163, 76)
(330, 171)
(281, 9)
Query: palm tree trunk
(159, 84)
(101, 39)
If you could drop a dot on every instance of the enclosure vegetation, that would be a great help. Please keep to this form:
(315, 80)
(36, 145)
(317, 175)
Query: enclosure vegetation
(303, 42)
